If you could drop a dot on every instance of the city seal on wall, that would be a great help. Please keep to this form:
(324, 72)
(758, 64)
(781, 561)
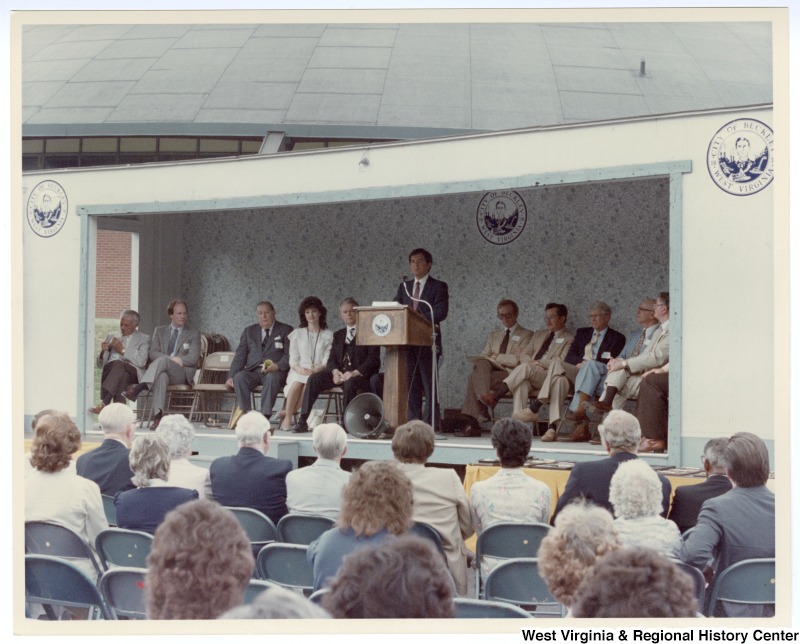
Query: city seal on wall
(740, 157)
(501, 216)
(381, 325)
(47, 208)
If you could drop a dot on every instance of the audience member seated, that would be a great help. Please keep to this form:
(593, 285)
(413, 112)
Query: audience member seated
(510, 494)
(309, 349)
(620, 435)
(377, 505)
(583, 533)
(107, 465)
(688, 499)
(405, 579)
(439, 497)
(317, 488)
(145, 507)
(250, 478)
(199, 565)
(739, 524)
(636, 496)
(54, 492)
(277, 603)
(635, 582)
(29, 469)
(178, 433)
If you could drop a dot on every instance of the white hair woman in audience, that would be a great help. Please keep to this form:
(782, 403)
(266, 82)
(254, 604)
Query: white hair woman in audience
(54, 491)
(178, 434)
(277, 603)
(636, 495)
(144, 508)
(583, 533)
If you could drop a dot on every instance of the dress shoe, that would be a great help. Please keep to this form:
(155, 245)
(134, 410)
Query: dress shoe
(576, 416)
(651, 445)
(469, 432)
(579, 435)
(602, 406)
(594, 414)
(526, 416)
(549, 436)
(97, 408)
(596, 439)
(131, 393)
(301, 427)
(156, 422)
(386, 436)
(490, 400)
(483, 418)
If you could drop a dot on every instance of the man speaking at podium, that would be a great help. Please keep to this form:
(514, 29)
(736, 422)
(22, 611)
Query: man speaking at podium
(419, 359)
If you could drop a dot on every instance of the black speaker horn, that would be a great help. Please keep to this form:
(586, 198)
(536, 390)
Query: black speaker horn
(364, 416)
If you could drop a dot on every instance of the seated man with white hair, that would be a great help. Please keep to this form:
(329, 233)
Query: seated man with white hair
(178, 434)
(317, 489)
(108, 464)
(250, 478)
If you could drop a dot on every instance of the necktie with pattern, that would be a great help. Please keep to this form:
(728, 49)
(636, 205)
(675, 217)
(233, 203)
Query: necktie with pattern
(416, 295)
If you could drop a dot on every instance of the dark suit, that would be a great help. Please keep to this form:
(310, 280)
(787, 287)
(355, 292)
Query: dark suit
(145, 508)
(246, 366)
(688, 499)
(613, 343)
(107, 465)
(344, 357)
(592, 480)
(248, 479)
(419, 359)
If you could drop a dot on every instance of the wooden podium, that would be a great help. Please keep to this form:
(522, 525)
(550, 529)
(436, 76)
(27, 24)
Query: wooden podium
(393, 327)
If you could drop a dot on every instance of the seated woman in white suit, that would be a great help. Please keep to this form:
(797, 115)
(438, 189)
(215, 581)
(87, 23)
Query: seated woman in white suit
(309, 348)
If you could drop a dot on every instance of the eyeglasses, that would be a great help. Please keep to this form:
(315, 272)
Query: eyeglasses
(505, 316)
(660, 304)
(641, 308)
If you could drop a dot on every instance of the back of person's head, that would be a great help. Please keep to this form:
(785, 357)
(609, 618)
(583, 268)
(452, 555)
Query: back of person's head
(250, 429)
(635, 490)
(379, 495)
(512, 439)
(413, 442)
(277, 603)
(620, 431)
(714, 454)
(178, 433)
(199, 564)
(329, 440)
(149, 459)
(404, 578)
(57, 438)
(635, 582)
(746, 460)
(35, 420)
(116, 418)
(583, 533)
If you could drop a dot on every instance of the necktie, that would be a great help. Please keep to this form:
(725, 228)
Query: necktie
(416, 295)
(173, 338)
(265, 340)
(638, 348)
(351, 334)
(588, 354)
(504, 343)
(545, 346)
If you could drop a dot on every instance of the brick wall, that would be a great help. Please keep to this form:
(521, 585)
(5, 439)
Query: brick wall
(113, 294)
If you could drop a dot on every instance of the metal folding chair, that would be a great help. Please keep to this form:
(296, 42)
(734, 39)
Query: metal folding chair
(286, 564)
(120, 547)
(750, 582)
(210, 392)
(255, 587)
(55, 540)
(303, 528)
(475, 608)
(428, 532)
(517, 581)
(123, 591)
(698, 580)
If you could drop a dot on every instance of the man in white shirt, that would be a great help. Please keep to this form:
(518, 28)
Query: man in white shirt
(317, 489)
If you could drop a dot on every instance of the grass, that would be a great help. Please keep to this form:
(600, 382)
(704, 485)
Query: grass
(102, 327)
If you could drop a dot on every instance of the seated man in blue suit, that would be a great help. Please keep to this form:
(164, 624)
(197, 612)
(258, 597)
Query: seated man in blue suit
(250, 478)
(107, 465)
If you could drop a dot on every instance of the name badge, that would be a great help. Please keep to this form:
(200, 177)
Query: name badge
(606, 355)
(559, 340)
(278, 345)
(185, 346)
(515, 338)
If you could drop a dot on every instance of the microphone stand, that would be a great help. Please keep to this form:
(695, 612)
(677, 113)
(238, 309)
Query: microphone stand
(434, 361)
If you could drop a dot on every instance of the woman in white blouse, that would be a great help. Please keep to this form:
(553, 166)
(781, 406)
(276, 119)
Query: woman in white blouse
(309, 348)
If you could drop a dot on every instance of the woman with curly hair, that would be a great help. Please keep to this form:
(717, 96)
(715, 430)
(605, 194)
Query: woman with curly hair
(636, 495)
(583, 533)
(199, 565)
(54, 492)
(309, 348)
(377, 504)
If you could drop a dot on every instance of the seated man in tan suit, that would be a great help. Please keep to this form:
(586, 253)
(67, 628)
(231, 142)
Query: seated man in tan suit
(547, 346)
(504, 350)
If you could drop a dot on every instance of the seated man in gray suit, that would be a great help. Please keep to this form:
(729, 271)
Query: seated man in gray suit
(174, 353)
(268, 340)
(123, 357)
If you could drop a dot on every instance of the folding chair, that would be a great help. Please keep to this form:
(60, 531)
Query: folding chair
(286, 564)
(317, 596)
(303, 528)
(110, 509)
(258, 526)
(210, 392)
(517, 581)
(44, 538)
(255, 587)
(698, 580)
(52, 581)
(123, 591)
(507, 540)
(428, 532)
(474, 608)
(120, 547)
(750, 582)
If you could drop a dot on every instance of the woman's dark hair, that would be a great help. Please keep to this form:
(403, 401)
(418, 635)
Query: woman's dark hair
(312, 302)
(512, 440)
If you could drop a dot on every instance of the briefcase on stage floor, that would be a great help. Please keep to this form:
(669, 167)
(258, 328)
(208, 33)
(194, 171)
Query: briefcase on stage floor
(454, 421)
